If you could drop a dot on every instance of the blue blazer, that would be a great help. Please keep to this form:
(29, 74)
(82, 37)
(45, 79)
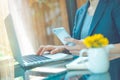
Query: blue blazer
(106, 20)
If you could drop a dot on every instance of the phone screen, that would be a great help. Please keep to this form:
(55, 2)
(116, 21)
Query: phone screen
(61, 33)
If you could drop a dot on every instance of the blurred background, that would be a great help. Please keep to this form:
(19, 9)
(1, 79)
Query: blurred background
(34, 19)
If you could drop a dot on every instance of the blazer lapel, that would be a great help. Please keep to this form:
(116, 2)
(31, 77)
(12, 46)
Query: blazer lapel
(98, 14)
(81, 18)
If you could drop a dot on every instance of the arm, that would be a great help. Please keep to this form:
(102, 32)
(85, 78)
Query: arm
(116, 19)
(79, 46)
(116, 49)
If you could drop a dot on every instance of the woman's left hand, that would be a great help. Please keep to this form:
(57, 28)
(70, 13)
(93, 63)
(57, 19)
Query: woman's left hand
(77, 47)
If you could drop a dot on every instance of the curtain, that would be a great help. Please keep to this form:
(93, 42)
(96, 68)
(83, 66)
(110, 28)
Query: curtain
(4, 43)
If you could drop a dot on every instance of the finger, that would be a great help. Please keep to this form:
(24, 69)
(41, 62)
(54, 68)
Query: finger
(71, 40)
(70, 48)
(40, 49)
(43, 50)
(75, 52)
(47, 48)
(54, 51)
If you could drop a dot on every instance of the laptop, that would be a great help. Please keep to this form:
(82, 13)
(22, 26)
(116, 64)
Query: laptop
(30, 59)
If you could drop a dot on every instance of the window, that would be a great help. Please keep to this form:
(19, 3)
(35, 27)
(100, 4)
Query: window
(4, 43)
(34, 20)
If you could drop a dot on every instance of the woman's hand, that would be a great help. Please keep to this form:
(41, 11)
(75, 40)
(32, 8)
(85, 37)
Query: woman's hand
(77, 47)
(52, 49)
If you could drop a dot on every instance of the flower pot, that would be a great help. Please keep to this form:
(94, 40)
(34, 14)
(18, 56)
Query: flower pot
(98, 59)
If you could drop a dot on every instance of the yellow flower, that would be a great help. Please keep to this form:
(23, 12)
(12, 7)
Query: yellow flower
(96, 40)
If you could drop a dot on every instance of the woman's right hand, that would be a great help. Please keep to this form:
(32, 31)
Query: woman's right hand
(52, 49)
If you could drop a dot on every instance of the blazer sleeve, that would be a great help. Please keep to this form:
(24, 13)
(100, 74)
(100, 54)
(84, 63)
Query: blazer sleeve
(116, 17)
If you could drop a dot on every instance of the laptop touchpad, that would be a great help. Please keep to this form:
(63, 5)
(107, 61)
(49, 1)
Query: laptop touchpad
(56, 56)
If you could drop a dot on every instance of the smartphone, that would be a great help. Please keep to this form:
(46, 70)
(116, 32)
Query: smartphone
(61, 33)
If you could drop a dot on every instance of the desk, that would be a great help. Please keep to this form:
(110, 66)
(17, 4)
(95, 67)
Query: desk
(45, 70)
(57, 71)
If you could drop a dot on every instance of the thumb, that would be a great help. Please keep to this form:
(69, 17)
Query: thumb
(71, 40)
(54, 51)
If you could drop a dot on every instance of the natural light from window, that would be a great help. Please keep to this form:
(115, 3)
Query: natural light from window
(20, 29)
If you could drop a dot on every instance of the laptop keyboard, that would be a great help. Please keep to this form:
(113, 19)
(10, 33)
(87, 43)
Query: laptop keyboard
(34, 58)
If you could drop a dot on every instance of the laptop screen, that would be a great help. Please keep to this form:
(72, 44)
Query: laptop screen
(21, 46)
(18, 38)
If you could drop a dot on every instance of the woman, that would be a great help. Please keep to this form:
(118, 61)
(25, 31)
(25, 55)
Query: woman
(96, 16)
